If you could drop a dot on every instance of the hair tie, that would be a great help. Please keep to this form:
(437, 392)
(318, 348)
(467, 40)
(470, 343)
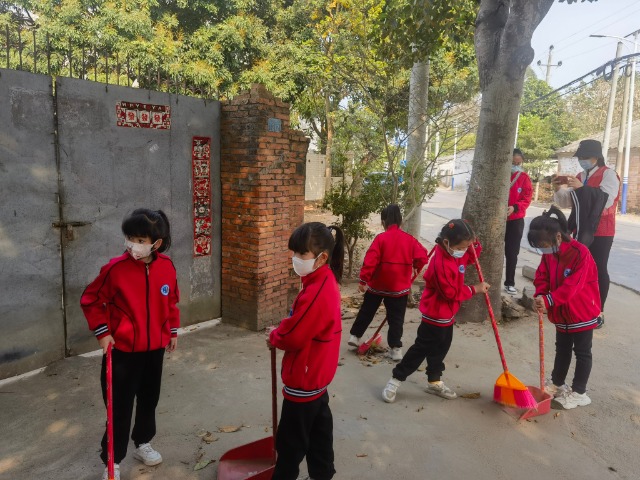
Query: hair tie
(451, 225)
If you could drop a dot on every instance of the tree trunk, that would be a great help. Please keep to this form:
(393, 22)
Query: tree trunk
(328, 109)
(503, 48)
(416, 145)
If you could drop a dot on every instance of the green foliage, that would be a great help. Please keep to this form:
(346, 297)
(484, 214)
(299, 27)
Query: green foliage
(354, 210)
(546, 125)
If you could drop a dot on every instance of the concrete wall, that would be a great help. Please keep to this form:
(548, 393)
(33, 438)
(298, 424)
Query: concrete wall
(108, 171)
(456, 171)
(31, 317)
(105, 172)
(315, 182)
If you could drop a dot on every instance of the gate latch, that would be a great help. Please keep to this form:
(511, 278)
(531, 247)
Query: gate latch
(69, 233)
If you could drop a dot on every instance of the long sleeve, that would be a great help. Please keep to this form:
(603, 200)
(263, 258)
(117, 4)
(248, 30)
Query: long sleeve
(420, 256)
(297, 330)
(610, 185)
(371, 261)
(541, 280)
(571, 285)
(525, 195)
(94, 301)
(174, 312)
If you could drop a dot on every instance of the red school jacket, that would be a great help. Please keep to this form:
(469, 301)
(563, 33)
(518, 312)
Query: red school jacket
(568, 282)
(135, 302)
(310, 337)
(444, 288)
(520, 195)
(388, 265)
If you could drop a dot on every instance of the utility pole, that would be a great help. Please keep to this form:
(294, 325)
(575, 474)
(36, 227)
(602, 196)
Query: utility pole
(627, 151)
(623, 119)
(612, 103)
(549, 65)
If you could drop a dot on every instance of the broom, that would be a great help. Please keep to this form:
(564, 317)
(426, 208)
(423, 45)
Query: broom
(377, 338)
(508, 391)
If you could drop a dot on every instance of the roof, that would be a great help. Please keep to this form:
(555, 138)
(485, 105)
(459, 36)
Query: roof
(613, 143)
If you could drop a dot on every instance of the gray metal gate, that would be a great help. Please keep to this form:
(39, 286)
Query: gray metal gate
(101, 168)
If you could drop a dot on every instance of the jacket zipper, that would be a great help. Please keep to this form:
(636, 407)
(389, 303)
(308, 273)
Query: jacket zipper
(148, 316)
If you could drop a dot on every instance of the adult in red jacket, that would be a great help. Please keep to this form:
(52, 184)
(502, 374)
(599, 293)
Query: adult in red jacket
(566, 285)
(519, 200)
(132, 305)
(596, 175)
(310, 337)
(392, 261)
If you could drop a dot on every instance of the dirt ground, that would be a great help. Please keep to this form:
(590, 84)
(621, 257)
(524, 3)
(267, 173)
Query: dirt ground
(218, 381)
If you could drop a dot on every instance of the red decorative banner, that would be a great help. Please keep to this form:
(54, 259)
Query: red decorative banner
(201, 165)
(143, 115)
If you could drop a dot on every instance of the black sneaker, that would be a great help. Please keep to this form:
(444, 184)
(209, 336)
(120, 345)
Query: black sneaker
(600, 321)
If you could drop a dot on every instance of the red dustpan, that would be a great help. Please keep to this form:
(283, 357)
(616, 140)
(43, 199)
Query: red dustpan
(257, 459)
(543, 398)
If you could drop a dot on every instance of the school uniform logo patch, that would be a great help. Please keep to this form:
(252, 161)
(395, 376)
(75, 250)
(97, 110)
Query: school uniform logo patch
(164, 290)
(461, 269)
(520, 190)
(567, 272)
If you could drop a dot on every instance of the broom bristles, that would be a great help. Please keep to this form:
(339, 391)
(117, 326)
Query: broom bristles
(511, 392)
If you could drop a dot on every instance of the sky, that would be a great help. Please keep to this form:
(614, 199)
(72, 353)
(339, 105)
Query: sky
(567, 28)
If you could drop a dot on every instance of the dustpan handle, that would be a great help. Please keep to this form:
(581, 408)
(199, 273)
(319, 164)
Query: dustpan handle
(541, 336)
(274, 395)
(109, 382)
(490, 308)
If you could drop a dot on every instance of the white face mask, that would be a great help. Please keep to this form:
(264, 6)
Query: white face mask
(139, 250)
(455, 253)
(303, 267)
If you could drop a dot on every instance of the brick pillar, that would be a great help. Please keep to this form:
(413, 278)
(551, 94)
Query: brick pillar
(262, 175)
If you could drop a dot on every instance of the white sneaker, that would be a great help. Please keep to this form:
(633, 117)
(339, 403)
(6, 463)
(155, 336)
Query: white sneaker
(395, 354)
(147, 455)
(389, 392)
(354, 341)
(116, 472)
(440, 389)
(555, 390)
(511, 290)
(572, 400)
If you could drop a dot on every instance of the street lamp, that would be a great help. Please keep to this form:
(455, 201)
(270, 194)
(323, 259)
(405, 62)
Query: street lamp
(627, 149)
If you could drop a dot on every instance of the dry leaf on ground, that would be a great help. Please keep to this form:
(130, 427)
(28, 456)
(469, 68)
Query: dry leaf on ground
(473, 395)
(201, 465)
(228, 429)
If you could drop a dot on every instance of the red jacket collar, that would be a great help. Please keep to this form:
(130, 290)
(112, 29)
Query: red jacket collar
(320, 272)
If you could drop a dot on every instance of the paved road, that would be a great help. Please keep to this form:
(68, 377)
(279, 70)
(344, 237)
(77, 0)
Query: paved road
(625, 254)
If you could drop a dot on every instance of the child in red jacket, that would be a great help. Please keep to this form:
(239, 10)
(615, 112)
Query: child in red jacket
(132, 306)
(444, 291)
(392, 260)
(310, 338)
(567, 288)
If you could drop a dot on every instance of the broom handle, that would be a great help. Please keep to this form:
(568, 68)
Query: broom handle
(274, 398)
(491, 315)
(541, 330)
(109, 375)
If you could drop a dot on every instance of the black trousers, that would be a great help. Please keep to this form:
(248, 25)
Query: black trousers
(600, 249)
(395, 307)
(136, 375)
(580, 342)
(305, 429)
(432, 343)
(512, 238)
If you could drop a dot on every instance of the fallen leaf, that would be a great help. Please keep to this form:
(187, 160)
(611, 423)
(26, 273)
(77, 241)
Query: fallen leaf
(266, 429)
(340, 364)
(613, 469)
(363, 418)
(473, 395)
(361, 455)
(556, 415)
(420, 409)
(202, 464)
(228, 429)
(209, 438)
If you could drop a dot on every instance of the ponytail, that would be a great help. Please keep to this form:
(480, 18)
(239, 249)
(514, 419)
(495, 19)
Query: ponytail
(544, 229)
(337, 255)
